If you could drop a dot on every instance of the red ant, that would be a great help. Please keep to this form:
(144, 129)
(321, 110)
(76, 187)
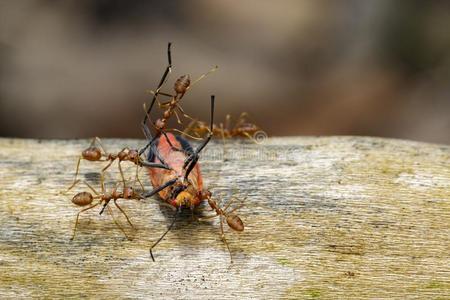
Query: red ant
(242, 128)
(98, 153)
(182, 185)
(85, 198)
(182, 84)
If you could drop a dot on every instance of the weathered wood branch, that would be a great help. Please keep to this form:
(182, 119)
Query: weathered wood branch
(336, 217)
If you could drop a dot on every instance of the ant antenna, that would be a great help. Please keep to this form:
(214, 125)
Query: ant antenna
(167, 231)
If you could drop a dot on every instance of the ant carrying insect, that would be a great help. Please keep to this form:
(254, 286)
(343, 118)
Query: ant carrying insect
(86, 198)
(182, 185)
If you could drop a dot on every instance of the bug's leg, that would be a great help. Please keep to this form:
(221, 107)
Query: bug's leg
(164, 234)
(162, 81)
(123, 212)
(160, 188)
(191, 161)
(78, 216)
(118, 224)
(155, 165)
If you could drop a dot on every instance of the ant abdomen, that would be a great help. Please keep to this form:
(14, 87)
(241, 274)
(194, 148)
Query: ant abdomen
(82, 199)
(235, 222)
(92, 154)
(182, 84)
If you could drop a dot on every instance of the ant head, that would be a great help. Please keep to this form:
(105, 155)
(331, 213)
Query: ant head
(92, 153)
(82, 199)
(235, 222)
(182, 84)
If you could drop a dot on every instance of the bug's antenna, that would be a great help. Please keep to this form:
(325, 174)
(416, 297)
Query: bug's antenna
(161, 82)
(190, 163)
(162, 236)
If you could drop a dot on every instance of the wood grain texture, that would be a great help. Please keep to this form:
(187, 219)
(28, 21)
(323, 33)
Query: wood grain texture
(334, 217)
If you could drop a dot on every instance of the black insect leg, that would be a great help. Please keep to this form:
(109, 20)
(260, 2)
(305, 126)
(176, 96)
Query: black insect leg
(191, 161)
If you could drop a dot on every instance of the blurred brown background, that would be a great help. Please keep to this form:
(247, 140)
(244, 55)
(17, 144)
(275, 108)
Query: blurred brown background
(72, 69)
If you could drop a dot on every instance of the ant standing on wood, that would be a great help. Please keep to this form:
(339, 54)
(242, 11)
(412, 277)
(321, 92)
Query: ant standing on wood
(242, 128)
(86, 199)
(97, 153)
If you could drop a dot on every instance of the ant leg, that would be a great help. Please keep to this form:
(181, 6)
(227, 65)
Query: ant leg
(123, 212)
(138, 180)
(75, 181)
(102, 173)
(118, 224)
(78, 216)
(250, 137)
(178, 117)
(236, 208)
(184, 113)
(162, 94)
(222, 133)
(222, 236)
(227, 122)
(186, 134)
(99, 142)
(202, 76)
(168, 229)
(161, 82)
(242, 118)
(121, 175)
(207, 217)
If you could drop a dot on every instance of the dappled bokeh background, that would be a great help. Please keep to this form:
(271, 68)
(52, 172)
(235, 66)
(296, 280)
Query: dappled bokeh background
(71, 69)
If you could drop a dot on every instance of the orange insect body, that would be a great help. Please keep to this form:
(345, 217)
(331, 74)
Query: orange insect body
(192, 195)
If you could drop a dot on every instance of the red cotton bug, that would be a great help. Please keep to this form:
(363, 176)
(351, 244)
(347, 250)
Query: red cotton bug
(181, 185)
